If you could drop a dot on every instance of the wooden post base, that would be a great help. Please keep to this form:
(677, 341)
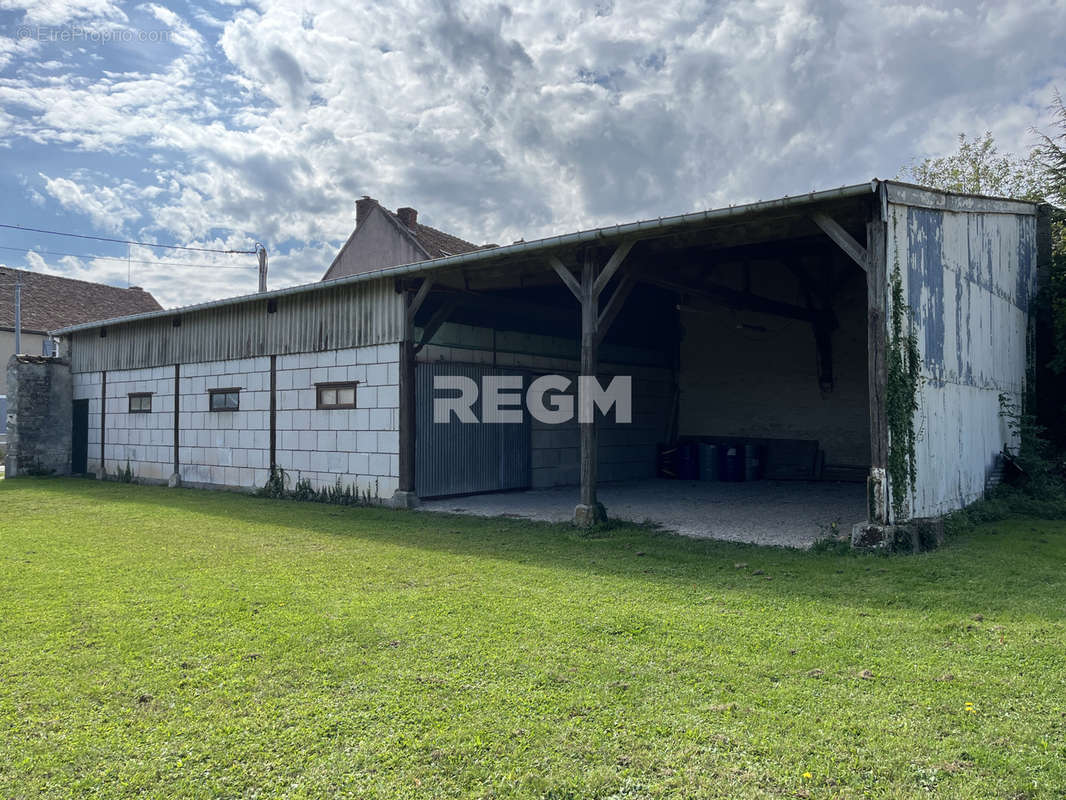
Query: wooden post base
(586, 516)
(404, 499)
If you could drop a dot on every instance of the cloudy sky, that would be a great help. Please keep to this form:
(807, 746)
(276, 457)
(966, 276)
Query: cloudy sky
(222, 124)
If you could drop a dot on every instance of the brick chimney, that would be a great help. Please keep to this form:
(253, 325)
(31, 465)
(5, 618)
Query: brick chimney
(363, 206)
(408, 216)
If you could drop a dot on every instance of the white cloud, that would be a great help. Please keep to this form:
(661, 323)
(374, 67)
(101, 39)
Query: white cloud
(110, 208)
(59, 12)
(504, 122)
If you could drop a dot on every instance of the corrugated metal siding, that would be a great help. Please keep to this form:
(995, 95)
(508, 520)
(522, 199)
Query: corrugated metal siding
(462, 458)
(969, 279)
(351, 315)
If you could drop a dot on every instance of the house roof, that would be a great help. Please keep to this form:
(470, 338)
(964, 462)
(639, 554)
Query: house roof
(430, 242)
(50, 302)
(436, 244)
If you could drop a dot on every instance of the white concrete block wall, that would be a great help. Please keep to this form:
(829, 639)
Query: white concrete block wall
(360, 445)
(144, 441)
(231, 449)
(225, 448)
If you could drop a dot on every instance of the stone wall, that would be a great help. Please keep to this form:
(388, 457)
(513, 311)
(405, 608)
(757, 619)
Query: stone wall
(39, 415)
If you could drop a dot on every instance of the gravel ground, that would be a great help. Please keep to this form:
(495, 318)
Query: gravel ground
(783, 513)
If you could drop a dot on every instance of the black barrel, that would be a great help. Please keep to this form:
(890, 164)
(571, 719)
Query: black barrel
(688, 462)
(752, 462)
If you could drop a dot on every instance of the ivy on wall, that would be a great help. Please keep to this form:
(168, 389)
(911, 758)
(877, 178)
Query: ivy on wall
(901, 399)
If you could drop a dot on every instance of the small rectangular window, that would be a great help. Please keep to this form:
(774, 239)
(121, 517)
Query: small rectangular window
(225, 399)
(335, 395)
(140, 402)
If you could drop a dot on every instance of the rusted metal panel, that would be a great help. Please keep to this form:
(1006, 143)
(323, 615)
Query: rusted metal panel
(969, 279)
(351, 315)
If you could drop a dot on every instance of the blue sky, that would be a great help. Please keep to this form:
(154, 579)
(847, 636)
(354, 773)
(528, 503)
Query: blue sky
(223, 124)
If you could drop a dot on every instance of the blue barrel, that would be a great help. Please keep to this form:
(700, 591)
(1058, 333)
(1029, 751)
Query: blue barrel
(709, 466)
(733, 463)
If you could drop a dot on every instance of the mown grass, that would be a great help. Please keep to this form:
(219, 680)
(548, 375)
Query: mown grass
(172, 643)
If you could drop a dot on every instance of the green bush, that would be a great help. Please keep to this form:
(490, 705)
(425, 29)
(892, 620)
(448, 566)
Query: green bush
(337, 494)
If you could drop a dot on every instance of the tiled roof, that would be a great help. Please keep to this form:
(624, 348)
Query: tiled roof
(50, 302)
(437, 244)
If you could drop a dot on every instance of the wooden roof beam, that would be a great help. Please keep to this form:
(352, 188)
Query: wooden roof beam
(835, 231)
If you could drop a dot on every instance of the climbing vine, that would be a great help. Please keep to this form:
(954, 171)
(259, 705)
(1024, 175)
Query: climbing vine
(901, 399)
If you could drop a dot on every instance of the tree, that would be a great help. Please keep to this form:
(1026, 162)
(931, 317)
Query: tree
(979, 168)
(1051, 154)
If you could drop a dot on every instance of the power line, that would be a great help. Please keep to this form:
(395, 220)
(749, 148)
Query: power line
(123, 260)
(128, 241)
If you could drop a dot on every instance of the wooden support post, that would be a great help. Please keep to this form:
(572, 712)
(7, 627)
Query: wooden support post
(876, 341)
(175, 476)
(101, 473)
(273, 414)
(405, 496)
(589, 510)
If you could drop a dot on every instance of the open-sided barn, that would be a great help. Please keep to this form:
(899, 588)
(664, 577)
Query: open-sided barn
(786, 326)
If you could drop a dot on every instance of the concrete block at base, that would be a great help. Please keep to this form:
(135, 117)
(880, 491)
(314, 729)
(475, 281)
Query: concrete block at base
(871, 536)
(586, 516)
(404, 499)
(175, 481)
(913, 536)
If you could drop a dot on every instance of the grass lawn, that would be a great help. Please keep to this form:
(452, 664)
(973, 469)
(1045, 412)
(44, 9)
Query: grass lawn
(170, 643)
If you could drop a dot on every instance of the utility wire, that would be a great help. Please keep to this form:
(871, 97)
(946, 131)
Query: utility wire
(123, 260)
(127, 241)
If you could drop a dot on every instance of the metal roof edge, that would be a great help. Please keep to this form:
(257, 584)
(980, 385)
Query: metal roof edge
(938, 199)
(606, 233)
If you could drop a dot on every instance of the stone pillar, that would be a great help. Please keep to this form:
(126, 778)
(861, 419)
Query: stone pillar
(39, 416)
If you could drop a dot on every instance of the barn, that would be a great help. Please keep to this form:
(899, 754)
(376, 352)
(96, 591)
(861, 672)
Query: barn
(859, 341)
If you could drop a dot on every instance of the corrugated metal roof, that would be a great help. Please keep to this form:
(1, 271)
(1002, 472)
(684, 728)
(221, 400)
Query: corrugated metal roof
(646, 228)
